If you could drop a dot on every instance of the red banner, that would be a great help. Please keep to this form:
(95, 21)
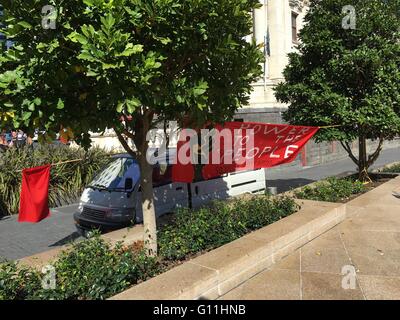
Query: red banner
(237, 146)
(34, 194)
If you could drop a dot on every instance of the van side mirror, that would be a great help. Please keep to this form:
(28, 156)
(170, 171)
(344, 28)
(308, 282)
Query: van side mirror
(128, 184)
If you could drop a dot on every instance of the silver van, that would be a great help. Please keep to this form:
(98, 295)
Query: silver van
(113, 199)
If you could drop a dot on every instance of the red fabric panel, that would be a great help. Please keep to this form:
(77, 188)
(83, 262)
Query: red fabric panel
(34, 202)
(274, 144)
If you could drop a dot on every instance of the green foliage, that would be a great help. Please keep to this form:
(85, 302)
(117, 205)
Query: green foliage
(18, 283)
(111, 58)
(331, 190)
(92, 269)
(349, 77)
(150, 60)
(89, 270)
(67, 181)
(395, 168)
(346, 77)
(210, 227)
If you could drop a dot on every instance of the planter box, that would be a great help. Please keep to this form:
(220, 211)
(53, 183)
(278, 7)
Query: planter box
(127, 235)
(219, 271)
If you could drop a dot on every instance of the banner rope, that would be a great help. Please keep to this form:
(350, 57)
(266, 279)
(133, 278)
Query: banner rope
(59, 163)
(335, 126)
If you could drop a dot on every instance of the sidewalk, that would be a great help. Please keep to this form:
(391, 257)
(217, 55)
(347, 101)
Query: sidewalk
(369, 240)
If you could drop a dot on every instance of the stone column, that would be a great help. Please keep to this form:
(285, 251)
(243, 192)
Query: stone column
(260, 29)
(260, 23)
(279, 31)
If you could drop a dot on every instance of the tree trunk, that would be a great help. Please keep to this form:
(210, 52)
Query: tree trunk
(363, 160)
(146, 172)
(146, 177)
(148, 205)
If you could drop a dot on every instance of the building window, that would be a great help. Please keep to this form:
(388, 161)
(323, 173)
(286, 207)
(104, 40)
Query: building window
(294, 27)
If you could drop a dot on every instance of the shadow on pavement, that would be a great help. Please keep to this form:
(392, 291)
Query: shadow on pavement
(66, 240)
(284, 185)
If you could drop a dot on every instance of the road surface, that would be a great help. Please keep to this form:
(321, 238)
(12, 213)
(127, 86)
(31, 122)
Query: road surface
(18, 240)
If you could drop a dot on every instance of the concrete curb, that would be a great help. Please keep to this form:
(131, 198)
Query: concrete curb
(127, 235)
(223, 269)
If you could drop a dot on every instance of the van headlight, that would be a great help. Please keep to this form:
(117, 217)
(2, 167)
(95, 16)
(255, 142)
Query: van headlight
(80, 207)
(121, 214)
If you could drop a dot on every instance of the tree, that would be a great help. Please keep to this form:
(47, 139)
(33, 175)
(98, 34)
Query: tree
(347, 72)
(140, 61)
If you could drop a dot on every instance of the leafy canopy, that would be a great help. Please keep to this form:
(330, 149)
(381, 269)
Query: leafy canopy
(111, 58)
(346, 77)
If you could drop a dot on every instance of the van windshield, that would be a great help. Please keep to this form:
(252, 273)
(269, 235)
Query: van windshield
(113, 176)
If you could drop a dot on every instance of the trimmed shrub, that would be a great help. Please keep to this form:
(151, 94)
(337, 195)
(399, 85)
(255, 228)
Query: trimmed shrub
(67, 181)
(18, 283)
(394, 168)
(90, 270)
(331, 190)
(193, 231)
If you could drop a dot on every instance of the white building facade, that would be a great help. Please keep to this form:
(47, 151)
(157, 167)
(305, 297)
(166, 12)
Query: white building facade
(276, 25)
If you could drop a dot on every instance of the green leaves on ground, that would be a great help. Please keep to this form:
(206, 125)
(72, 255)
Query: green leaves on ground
(91, 269)
(394, 168)
(331, 190)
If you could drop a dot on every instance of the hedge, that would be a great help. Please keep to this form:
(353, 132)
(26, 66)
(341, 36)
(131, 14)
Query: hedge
(394, 168)
(331, 190)
(91, 269)
(211, 227)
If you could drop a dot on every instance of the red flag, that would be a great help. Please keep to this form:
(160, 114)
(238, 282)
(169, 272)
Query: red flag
(34, 206)
(257, 145)
(183, 172)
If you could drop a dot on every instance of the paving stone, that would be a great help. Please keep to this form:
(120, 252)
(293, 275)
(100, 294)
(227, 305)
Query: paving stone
(325, 286)
(369, 240)
(291, 262)
(374, 253)
(274, 284)
(380, 288)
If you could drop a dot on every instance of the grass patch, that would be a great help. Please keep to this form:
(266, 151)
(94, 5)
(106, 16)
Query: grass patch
(331, 190)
